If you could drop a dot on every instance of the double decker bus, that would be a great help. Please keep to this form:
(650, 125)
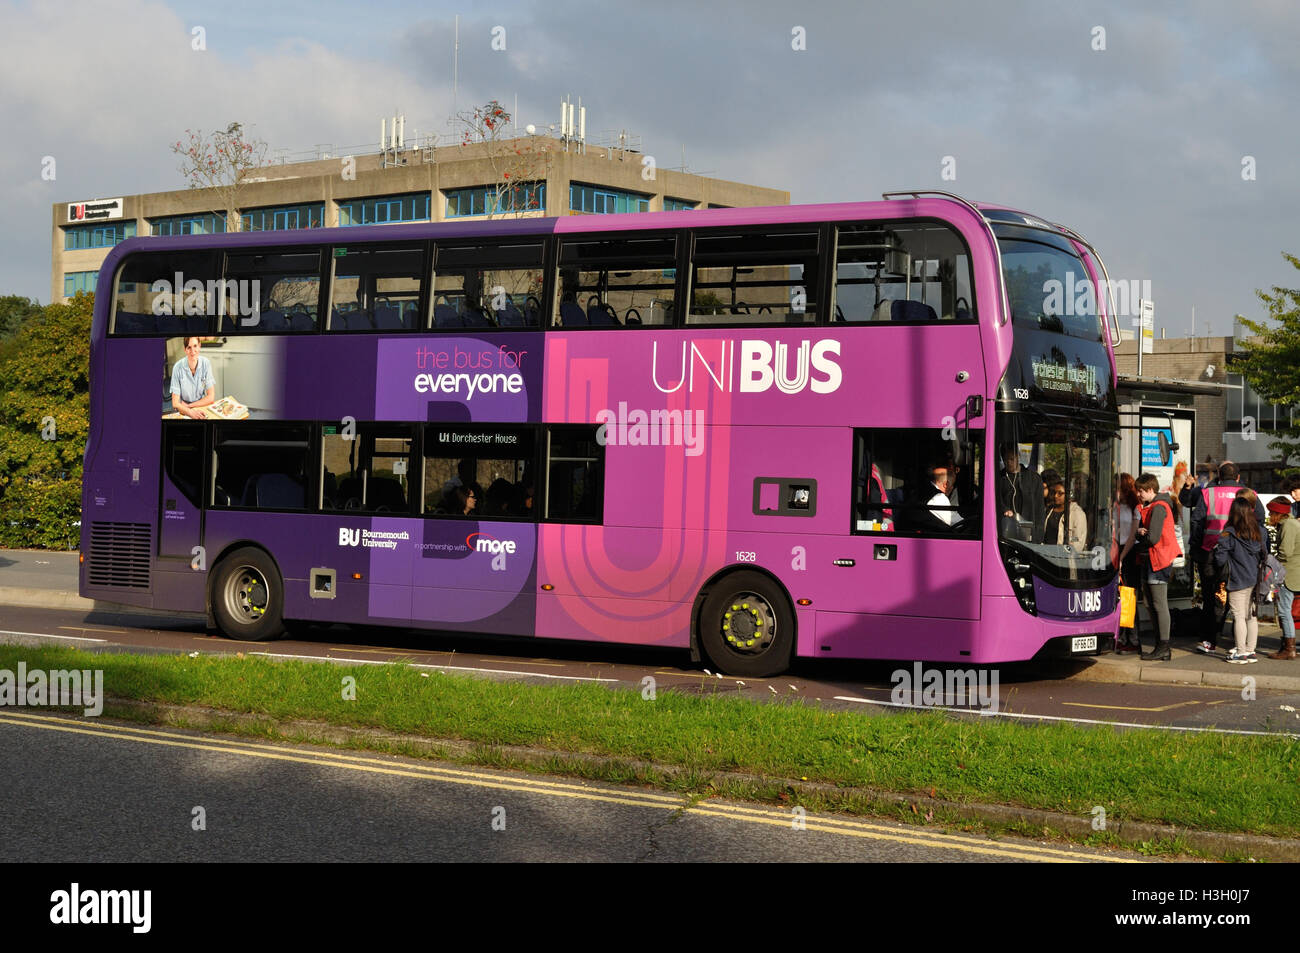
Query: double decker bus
(753, 434)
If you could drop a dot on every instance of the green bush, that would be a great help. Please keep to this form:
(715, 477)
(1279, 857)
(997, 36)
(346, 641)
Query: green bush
(44, 419)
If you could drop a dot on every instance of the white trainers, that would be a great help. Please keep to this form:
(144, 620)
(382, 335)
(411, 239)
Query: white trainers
(1205, 647)
(1237, 659)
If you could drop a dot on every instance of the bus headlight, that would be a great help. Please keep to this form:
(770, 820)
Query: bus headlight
(1022, 584)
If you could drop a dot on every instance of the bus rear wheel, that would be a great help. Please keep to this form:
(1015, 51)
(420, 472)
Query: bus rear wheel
(248, 596)
(746, 626)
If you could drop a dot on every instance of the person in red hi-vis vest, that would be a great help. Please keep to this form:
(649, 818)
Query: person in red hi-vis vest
(1209, 517)
(1157, 550)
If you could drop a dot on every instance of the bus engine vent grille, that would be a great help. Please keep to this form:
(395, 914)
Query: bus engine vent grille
(119, 555)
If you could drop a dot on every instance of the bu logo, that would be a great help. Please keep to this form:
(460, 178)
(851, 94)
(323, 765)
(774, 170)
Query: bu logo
(1085, 601)
(349, 537)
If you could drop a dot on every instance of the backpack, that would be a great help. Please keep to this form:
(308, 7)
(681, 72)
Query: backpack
(1270, 576)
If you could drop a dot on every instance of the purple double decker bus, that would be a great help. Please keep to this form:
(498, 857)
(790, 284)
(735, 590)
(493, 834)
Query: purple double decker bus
(861, 430)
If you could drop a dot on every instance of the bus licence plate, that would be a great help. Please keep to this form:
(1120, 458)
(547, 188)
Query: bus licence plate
(1083, 643)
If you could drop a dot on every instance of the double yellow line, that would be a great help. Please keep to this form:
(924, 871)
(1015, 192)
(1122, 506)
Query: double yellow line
(633, 798)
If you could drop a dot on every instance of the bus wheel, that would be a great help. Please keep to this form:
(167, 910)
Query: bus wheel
(248, 596)
(746, 626)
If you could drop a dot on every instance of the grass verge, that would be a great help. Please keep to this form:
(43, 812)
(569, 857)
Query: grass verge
(1229, 783)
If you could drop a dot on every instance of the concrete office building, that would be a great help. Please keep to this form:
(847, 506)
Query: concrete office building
(419, 184)
(1231, 422)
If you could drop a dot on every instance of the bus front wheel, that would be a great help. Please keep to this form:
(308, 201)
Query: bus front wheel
(248, 596)
(746, 626)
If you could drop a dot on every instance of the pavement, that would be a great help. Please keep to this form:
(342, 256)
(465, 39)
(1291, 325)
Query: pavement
(48, 580)
(41, 579)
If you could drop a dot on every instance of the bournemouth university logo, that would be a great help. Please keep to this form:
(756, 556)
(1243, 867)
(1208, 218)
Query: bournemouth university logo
(372, 539)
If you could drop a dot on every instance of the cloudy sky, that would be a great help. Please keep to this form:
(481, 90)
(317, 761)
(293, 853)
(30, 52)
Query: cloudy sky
(1141, 146)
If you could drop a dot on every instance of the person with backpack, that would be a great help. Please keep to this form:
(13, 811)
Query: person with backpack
(1209, 517)
(1288, 552)
(1239, 555)
(1158, 547)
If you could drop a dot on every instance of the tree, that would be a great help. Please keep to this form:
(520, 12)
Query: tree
(1272, 359)
(44, 419)
(14, 311)
(519, 165)
(223, 162)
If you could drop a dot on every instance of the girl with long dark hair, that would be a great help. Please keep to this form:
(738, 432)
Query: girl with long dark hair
(1241, 550)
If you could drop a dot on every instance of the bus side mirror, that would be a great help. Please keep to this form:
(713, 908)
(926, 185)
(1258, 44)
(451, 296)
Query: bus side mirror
(1167, 449)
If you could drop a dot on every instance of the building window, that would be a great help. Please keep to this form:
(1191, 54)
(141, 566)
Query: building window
(380, 210)
(482, 200)
(75, 281)
(678, 205)
(77, 237)
(593, 200)
(279, 217)
(1243, 402)
(199, 223)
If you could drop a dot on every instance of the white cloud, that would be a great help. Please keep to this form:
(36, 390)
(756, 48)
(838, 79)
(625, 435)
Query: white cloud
(1138, 146)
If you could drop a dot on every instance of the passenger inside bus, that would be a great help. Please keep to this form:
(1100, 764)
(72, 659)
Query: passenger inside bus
(500, 497)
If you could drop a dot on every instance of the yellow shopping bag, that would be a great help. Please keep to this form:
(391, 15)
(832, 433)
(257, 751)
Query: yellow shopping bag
(1128, 604)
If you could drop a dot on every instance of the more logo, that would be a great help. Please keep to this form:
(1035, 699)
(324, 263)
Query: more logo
(483, 543)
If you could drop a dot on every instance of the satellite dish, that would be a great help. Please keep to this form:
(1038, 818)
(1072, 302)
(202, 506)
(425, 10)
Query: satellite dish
(1167, 449)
